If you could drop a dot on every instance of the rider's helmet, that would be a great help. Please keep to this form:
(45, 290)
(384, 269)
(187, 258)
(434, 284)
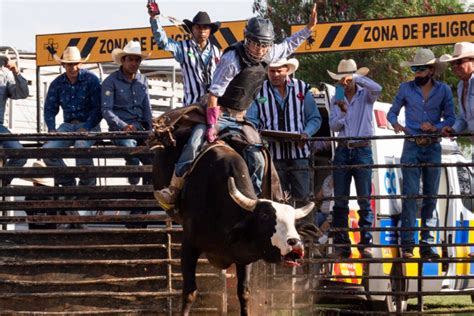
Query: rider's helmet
(259, 33)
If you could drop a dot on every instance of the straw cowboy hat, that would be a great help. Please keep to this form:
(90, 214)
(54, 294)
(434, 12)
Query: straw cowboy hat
(347, 67)
(202, 18)
(291, 63)
(132, 48)
(461, 50)
(425, 56)
(71, 55)
(49, 182)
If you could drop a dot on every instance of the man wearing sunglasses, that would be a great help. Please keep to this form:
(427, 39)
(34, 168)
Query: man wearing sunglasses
(428, 109)
(236, 81)
(462, 64)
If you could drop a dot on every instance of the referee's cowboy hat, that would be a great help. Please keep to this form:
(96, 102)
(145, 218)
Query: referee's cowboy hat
(202, 18)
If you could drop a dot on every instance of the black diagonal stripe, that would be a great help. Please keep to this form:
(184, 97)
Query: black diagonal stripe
(228, 36)
(329, 39)
(73, 42)
(350, 35)
(214, 42)
(88, 47)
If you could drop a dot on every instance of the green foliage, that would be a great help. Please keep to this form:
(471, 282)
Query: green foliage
(383, 63)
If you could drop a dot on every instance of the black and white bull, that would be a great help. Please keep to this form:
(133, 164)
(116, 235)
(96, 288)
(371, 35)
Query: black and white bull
(223, 219)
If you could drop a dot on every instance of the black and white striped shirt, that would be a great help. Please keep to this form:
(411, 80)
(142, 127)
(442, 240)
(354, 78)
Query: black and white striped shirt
(196, 74)
(289, 118)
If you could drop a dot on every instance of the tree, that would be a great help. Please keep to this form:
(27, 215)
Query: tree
(383, 63)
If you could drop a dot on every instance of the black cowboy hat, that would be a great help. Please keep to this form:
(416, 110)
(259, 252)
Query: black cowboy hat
(202, 18)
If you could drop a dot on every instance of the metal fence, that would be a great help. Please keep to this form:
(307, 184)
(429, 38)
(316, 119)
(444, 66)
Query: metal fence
(110, 268)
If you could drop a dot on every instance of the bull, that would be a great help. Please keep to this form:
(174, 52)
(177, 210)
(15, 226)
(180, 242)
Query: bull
(223, 219)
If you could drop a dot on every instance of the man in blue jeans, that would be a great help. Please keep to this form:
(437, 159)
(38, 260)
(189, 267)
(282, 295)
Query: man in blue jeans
(428, 109)
(13, 86)
(351, 116)
(125, 98)
(287, 104)
(77, 93)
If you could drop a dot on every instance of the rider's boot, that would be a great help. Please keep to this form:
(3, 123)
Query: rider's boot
(167, 197)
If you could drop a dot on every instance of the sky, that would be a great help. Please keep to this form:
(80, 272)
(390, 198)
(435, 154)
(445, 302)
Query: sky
(21, 20)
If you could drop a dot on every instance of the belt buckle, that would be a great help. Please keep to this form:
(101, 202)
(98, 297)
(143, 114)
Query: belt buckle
(423, 141)
(350, 145)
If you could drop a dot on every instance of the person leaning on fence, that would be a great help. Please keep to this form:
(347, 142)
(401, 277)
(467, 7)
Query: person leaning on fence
(462, 64)
(77, 93)
(287, 104)
(428, 108)
(238, 76)
(197, 56)
(126, 99)
(13, 86)
(351, 116)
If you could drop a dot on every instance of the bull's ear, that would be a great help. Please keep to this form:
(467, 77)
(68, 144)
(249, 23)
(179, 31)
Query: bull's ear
(303, 211)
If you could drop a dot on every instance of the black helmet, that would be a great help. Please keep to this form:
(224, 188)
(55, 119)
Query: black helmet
(260, 30)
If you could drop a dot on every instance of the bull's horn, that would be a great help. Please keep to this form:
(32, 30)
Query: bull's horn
(243, 201)
(303, 211)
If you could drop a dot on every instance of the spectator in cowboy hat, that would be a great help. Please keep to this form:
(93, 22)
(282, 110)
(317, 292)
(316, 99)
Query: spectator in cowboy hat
(351, 116)
(13, 86)
(428, 109)
(125, 98)
(281, 100)
(197, 56)
(462, 64)
(77, 93)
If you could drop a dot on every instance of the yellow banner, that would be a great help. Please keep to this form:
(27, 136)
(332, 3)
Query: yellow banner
(100, 44)
(389, 33)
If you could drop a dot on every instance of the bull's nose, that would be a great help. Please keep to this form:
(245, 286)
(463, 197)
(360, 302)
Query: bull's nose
(293, 241)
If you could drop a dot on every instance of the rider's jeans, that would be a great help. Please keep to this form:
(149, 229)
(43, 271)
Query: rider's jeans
(252, 154)
(191, 149)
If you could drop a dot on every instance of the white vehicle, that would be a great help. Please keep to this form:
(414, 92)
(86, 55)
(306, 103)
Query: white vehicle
(452, 212)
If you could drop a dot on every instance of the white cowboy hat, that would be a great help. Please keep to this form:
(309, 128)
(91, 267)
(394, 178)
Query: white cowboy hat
(347, 67)
(291, 63)
(49, 182)
(132, 48)
(71, 55)
(461, 50)
(425, 56)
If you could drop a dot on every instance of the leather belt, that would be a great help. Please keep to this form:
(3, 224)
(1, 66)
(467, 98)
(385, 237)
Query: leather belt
(352, 145)
(424, 141)
(237, 114)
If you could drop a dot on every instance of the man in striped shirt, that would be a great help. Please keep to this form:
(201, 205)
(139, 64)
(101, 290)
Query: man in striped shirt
(197, 56)
(286, 104)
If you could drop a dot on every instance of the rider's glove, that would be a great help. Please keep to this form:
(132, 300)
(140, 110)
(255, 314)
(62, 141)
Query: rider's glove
(211, 117)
